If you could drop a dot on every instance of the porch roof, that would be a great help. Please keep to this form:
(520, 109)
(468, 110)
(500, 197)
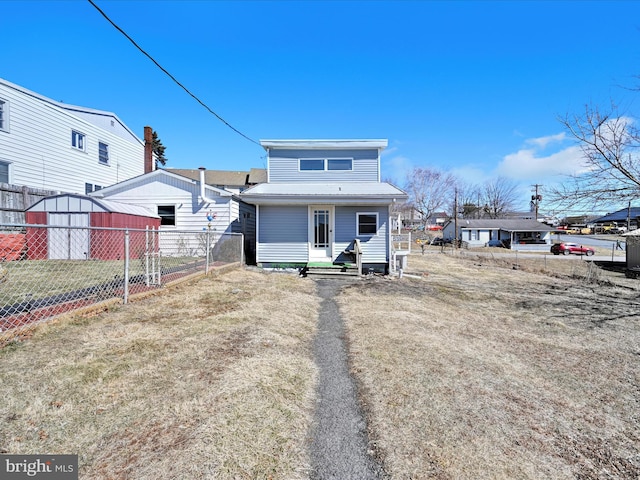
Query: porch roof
(344, 193)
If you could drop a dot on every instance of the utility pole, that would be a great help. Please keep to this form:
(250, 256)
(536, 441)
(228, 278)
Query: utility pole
(455, 217)
(536, 198)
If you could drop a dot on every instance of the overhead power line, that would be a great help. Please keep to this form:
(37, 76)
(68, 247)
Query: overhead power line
(169, 74)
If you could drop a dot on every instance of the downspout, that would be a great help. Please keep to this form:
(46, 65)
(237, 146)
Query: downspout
(202, 184)
(390, 253)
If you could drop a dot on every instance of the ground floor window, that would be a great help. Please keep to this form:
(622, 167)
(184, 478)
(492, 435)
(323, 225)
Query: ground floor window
(367, 223)
(167, 214)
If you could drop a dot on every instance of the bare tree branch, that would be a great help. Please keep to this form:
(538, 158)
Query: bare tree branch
(610, 144)
(429, 190)
(499, 196)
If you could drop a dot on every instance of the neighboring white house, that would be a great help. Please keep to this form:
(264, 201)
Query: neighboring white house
(517, 234)
(54, 146)
(185, 204)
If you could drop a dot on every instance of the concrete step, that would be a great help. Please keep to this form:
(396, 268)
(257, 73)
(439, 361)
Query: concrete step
(330, 270)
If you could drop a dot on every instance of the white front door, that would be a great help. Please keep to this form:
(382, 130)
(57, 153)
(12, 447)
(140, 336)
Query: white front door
(321, 233)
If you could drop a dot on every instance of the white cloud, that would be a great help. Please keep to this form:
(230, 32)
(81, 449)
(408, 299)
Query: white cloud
(543, 159)
(528, 164)
(543, 142)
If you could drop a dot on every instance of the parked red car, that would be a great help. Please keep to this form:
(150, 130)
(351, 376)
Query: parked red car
(567, 248)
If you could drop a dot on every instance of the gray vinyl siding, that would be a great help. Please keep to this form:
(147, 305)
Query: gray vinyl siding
(283, 234)
(283, 166)
(246, 224)
(374, 248)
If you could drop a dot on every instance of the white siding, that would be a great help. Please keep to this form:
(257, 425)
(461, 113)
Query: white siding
(38, 146)
(191, 213)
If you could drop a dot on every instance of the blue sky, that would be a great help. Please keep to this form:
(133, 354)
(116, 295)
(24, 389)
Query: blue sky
(471, 87)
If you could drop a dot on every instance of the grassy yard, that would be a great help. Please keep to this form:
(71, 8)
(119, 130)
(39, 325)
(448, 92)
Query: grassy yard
(478, 370)
(34, 279)
(211, 380)
(468, 368)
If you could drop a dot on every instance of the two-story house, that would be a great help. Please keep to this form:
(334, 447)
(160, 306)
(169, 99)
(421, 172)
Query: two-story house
(53, 146)
(321, 196)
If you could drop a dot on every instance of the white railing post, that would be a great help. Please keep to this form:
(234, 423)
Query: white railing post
(147, 280)
(126, 266)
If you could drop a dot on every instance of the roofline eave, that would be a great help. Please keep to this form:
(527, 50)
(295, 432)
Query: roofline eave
(321, 199)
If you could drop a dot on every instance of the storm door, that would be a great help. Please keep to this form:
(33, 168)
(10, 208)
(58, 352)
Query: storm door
(320, 233)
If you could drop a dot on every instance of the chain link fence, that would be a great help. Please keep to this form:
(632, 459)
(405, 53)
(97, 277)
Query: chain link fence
(47, 270)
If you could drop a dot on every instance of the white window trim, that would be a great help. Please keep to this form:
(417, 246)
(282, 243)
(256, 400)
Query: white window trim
(84, 141)
(325, 161)
(108, 162)
(358, 234)
(175, 215)
(7, 114)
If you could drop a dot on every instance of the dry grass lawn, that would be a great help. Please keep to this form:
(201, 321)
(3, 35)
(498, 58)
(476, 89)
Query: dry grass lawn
(468, 369)
(476, 370)
(210, 380)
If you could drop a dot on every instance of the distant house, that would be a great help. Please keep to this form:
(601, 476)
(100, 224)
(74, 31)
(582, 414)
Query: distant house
(620, 217)
(53, 146)
(516, 234)
(413, 220)
(186, 204)
(231, 181)
(321, 198)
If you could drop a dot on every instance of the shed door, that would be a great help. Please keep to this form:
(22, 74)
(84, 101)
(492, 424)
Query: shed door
(321, 233)
(68, 243)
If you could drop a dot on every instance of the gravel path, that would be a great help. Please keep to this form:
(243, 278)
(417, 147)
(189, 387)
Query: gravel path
(339, 448)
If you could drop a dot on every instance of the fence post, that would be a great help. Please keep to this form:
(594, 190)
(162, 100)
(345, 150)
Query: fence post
(146, 256)
(241, 249)
(206, 263)
(126, 266)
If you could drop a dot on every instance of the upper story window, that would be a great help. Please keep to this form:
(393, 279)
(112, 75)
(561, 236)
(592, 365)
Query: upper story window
(367, 224)
(322, 164)
(309, 164)
(4, 172)
(78, 140)
(103, 153)
(339, 164)
(4, 115)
